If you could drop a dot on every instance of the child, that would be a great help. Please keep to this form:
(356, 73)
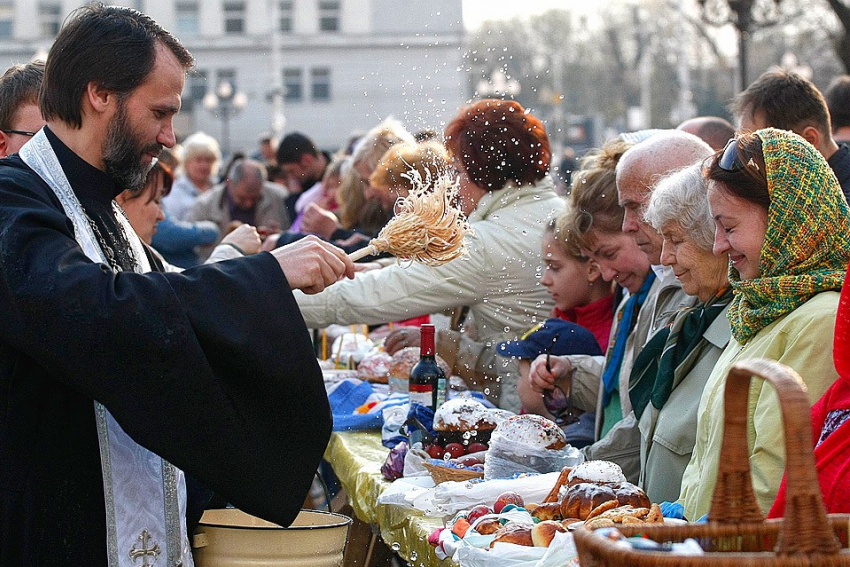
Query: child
(584, 308)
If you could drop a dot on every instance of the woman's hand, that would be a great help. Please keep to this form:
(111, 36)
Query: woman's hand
(401, 338)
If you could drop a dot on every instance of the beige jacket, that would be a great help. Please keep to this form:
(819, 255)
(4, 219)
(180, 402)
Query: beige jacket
(498, 279)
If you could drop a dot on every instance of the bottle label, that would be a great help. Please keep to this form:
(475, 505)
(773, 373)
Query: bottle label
(422, 394)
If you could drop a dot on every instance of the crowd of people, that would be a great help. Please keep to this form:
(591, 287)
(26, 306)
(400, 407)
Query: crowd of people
(157, 302)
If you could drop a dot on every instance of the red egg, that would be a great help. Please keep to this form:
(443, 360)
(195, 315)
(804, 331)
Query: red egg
(455, 450)
(477, 512)
(506, 498)
(476, 447)
(435, 451)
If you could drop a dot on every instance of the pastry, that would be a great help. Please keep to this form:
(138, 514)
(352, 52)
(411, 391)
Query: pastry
(463, 414)
(631, 495)
(404, 360)
(583, 498)
(488, 526)
(375, 367)
(548, 511)
(519, 534)
(543, 533)
(532, 430)
(597, 472)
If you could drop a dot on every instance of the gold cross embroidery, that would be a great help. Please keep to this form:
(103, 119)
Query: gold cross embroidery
(145, 552)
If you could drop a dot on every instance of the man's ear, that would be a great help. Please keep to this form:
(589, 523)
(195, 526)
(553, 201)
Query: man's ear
(4, 144)
(99, 98)
(812, 136)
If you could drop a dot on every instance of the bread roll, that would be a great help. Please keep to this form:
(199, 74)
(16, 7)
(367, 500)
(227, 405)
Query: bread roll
(488, 526)
(543, 533)
(548, 511)
(519, 534)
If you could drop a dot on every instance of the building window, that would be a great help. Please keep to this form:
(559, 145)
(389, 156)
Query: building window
(7, 19)
(286, 16)
(293, 87)
(234, 17)
(329, 15)
(320, 84)
(50, 18)
(186, 19)
(195, 89)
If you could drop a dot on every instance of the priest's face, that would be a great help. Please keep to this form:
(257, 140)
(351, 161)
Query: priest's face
(142, 122)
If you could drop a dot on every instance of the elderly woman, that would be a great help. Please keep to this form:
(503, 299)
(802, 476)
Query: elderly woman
(201, 159)
(502, 154)
(783, 222)
(670, 372)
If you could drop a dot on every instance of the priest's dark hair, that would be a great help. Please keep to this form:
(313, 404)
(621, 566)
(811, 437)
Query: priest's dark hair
(112, 46)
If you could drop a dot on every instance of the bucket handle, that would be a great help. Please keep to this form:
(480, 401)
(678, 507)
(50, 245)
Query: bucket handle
(200, 540)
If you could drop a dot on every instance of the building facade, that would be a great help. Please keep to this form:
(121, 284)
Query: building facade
(327, 68)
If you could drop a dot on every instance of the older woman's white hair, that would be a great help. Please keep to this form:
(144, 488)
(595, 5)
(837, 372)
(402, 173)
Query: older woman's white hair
(682, 197)
(201, 144)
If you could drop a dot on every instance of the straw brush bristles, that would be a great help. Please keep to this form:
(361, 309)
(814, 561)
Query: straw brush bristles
(427, 226)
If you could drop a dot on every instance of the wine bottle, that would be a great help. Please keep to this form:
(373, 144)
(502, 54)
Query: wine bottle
(427, 380)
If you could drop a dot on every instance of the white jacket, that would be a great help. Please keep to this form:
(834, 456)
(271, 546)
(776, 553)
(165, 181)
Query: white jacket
(498, 279)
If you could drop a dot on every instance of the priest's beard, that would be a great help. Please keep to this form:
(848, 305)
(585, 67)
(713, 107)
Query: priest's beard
(123, 151)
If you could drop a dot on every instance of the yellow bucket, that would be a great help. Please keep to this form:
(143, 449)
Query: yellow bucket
(232, 538)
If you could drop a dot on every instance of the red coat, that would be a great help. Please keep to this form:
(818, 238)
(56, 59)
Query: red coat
(833, 455)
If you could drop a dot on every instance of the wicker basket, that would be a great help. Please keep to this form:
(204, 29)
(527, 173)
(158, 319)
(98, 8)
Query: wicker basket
(737, 533)
(445, 474)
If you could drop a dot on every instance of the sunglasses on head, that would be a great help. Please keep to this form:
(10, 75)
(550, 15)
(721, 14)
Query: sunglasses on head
(730, 161)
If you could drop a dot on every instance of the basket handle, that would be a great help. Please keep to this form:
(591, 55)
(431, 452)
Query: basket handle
(805, 528)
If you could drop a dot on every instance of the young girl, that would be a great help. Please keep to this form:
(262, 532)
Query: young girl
(581, 297)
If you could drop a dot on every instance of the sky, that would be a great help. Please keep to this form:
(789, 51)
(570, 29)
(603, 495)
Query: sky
(475, 12)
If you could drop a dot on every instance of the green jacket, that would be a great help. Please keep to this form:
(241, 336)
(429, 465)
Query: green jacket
(802, 340)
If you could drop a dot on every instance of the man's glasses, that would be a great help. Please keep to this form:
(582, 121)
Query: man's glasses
(559, 404)
(20, 132)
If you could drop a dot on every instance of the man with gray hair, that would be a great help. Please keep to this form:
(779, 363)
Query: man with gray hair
(640, 168)
(245, 197)
(20, 117)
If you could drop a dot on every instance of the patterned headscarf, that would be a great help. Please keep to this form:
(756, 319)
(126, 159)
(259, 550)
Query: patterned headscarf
(807, 243)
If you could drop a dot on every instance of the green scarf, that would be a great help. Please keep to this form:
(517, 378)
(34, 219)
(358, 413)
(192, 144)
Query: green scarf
(807, 243)
(672, 352)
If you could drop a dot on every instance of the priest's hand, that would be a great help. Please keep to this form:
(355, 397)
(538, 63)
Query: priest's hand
(545, 371)
(311, 265)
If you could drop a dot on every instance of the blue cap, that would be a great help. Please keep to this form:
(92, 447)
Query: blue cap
(554, 336)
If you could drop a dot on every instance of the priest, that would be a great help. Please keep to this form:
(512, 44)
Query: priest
(115, 378)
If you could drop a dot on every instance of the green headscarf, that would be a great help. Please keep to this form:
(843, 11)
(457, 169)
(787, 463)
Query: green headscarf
(807, 243)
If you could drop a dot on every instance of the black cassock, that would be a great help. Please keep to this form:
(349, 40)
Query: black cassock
(211, 369)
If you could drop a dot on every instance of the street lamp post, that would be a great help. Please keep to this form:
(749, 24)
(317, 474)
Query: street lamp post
(227, 102)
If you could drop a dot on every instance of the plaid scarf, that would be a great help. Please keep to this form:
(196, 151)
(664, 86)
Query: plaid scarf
(807, 243)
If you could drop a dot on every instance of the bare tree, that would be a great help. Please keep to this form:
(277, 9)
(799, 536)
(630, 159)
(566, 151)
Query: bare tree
(842, 41)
